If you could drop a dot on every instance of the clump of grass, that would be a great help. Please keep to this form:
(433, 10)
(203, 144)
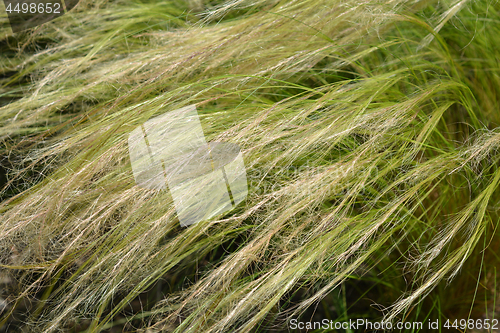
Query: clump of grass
(370, 137)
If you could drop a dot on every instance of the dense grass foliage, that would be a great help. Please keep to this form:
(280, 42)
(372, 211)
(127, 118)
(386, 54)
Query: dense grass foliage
(370, 133)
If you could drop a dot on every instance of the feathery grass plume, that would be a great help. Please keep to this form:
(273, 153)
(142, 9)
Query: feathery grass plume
(370, 136)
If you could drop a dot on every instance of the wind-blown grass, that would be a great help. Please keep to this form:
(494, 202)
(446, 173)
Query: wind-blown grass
(370, 136)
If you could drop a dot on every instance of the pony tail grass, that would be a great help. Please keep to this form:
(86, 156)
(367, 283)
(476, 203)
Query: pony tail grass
(369, 132)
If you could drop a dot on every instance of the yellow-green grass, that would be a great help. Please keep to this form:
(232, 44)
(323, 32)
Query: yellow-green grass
(370, 136)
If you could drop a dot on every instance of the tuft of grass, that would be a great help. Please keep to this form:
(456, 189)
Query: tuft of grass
(370, 133)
